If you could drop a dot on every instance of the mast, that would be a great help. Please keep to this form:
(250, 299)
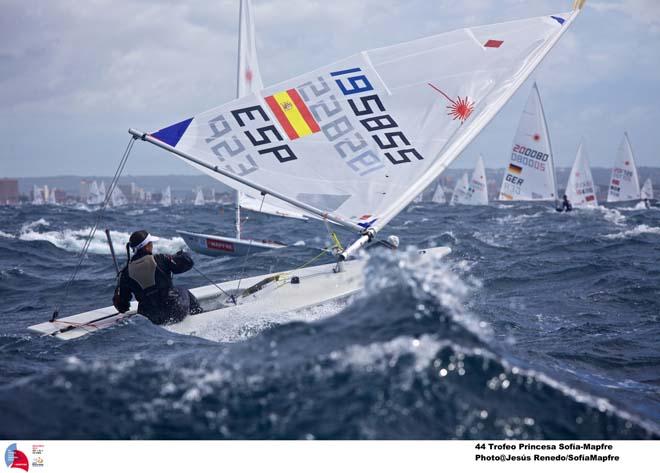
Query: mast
(547, 133)
(238, 215)
(238, 94)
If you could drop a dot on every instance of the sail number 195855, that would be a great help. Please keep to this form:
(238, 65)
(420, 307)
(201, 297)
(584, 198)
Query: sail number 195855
(373, 116)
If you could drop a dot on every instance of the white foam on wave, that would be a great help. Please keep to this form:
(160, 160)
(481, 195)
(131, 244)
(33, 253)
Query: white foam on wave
(74, 240)
(611, 215)
(6, 235)
(636, 231)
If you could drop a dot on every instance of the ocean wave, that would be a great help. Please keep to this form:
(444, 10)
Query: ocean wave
(74, 240)
(636, 231)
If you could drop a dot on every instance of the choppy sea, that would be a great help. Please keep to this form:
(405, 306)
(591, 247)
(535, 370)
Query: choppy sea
(539, 325)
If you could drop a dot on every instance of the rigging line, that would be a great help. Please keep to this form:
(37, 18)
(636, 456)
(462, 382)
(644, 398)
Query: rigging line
(92, 231)
(247, 254)
(212, 282)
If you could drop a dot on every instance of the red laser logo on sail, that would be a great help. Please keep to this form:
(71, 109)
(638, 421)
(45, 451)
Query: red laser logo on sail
(459, 109)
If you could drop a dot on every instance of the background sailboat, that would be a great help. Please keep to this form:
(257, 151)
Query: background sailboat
(166, 198)
(580, 188)
(460, 191)
(118, 198)
(530, 174)
(439, 195)
(477, 190)
(199, 197)
(624, 184)
(647, 190)
(95, 197)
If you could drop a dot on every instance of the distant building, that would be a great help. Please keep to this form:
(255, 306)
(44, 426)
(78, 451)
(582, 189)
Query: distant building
(8, 191)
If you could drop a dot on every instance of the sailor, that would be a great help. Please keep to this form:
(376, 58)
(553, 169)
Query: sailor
(566, 205)
(148, 277)
(391, 243)
(647, 204)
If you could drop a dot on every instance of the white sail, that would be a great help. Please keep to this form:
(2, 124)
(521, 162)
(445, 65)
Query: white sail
(439, 195)
(530, 174)
(580, 188)
(166, 198)
(419, 199)
(477, 190)
(249, 78)
(647, 190)
(256, 205)
(460, 191)
(102, 192)
(118, 198)
(51, 197)
(94, 197)
(199, 197)
(357, 141)
(37, 195)
(624, 184)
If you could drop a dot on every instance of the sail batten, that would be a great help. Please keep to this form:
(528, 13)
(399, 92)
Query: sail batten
(358, 140)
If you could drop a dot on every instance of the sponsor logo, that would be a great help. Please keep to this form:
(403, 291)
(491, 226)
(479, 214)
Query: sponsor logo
(459, 109)
(219, 245)
(14, 458)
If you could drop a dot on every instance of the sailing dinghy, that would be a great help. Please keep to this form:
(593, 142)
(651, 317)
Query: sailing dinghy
(530, 174)
(580, 188)
(352, 143)
(647, 190)
(460, 191)
(439, 195)
(248, 82)
(477, 190)
(624, 183)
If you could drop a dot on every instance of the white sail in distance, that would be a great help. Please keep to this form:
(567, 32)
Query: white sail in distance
(118, 198)
(439, 195)
(51, 197)
(94, 197)
(477, 190)
(624, 183)
(580, 188)
(166, 198)
(356, 141)
(199, 197)
(460, 191)
(37, 195)
(530, 174)
(647, 190)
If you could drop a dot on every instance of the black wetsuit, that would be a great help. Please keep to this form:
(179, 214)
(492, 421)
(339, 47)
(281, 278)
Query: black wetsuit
(149, 278)
(566, 206)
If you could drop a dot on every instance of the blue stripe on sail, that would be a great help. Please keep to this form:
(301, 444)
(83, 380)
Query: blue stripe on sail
(559, 19)
(173, 133)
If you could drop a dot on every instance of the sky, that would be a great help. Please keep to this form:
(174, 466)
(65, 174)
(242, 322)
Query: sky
(74, 76)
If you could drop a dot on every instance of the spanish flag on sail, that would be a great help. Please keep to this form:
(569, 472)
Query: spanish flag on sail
(292, 113)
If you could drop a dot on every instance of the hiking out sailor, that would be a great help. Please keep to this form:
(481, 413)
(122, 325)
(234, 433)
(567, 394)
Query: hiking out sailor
(566, 205)
(647, 204)
(148, 277)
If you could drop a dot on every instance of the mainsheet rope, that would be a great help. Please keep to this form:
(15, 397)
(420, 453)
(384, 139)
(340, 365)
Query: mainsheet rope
(92, 231)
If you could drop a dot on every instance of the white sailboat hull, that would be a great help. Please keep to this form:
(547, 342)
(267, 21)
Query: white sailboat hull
(315, 285)
(216, 245)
